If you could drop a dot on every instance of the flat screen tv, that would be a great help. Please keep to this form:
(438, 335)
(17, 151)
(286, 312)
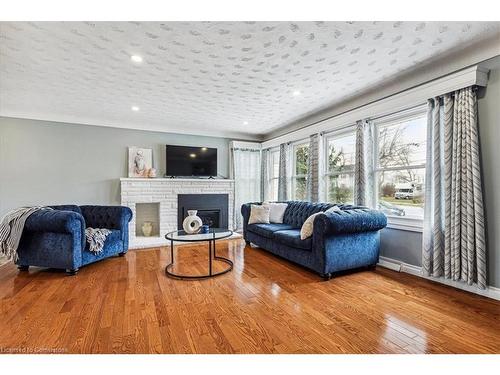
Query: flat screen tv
(191, 161)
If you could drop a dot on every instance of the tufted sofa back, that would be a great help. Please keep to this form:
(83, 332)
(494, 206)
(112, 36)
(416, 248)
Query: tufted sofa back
(298, 211)
(110, 217)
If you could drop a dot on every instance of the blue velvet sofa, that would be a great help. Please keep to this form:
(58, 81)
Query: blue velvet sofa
(56, 238)
(341, 240)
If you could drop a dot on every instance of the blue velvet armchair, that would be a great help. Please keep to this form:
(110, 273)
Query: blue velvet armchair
(56, 238)
(341, 240)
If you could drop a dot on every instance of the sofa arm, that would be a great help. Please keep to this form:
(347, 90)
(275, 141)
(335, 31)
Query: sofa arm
(109, 217)
(55, 221)
(349, 221)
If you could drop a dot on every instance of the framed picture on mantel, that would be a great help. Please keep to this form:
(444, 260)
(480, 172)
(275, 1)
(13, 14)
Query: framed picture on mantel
(140, 162)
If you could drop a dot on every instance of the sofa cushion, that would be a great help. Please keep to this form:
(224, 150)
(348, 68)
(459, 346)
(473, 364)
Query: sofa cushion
(267, 230)
(291, 238)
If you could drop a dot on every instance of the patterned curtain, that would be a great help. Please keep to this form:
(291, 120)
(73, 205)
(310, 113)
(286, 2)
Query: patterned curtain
(264, 178)
(313, 169)
(364, 164)
(454, 234)
(246, 171)
(283, 178)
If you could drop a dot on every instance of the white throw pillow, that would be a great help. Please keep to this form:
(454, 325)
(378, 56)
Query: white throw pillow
(276, 211)
(259, 214)
(307, 228)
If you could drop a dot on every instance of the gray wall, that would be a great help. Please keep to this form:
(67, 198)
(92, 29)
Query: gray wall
(49, 163)
(407, 246)
(401, 245)
(489, 132)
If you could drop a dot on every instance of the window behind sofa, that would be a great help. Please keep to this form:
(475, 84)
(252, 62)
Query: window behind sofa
(299, 172)
(400, 151)
(339, 177)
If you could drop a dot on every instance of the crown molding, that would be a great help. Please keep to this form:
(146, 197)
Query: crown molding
(160, 128)
(416, 96)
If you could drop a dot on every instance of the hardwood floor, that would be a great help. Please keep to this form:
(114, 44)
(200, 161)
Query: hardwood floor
(265, 305)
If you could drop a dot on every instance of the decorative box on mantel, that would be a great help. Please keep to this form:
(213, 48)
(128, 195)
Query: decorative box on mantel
(155, 200)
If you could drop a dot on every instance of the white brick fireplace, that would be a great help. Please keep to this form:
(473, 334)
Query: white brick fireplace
(160, 194)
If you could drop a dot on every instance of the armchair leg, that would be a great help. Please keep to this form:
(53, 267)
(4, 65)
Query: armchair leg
(247, 242)
(71, 271)
(23, 268)
(121, 254)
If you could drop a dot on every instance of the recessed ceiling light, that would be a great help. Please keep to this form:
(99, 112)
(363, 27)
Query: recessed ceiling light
(296, 93)
(245, 122)
(192, 155)
(135, 108)
(136, 58)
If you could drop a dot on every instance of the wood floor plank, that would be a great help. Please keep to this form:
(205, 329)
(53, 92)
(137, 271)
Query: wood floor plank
(265, 305)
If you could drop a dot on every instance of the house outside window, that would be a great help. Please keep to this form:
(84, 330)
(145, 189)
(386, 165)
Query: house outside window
(400, 152)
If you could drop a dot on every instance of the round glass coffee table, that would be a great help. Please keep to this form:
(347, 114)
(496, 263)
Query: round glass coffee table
(211, 237)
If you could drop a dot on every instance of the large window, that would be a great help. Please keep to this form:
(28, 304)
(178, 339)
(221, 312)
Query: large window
(339, 178)
(274, 168)
(299, 176)
(400, 150)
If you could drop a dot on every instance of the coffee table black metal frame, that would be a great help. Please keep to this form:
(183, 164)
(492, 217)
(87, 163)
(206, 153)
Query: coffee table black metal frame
(211, 237)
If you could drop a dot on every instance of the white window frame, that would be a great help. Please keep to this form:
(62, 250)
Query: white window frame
(270, 168)
(409, 223)
(351, 129)
(293, 176)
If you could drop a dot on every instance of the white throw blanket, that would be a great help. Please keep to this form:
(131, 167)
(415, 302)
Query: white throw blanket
(95, 238)
(11, 229)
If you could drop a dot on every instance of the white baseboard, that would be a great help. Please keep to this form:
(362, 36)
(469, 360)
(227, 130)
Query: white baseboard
(398, 266)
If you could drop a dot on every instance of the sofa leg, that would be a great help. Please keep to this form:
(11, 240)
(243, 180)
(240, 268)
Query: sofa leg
(23, 268)
(247, 242)
(121, 254)
(372, 267)
(327, 276)
(71, 271)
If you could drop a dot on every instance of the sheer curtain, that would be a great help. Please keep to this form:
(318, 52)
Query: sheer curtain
(454, 234)
(246, 172)
(264, 178)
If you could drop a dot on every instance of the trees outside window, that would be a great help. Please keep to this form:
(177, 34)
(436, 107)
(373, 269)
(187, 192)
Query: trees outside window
(299, 176)
(340, 153)
(401, 155)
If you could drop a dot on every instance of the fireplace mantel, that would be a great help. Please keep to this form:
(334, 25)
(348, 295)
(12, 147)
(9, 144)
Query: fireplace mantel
(164, 191)
(138, 179)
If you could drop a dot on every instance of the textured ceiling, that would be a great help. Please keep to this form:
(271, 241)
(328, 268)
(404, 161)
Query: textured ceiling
(207, 77)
